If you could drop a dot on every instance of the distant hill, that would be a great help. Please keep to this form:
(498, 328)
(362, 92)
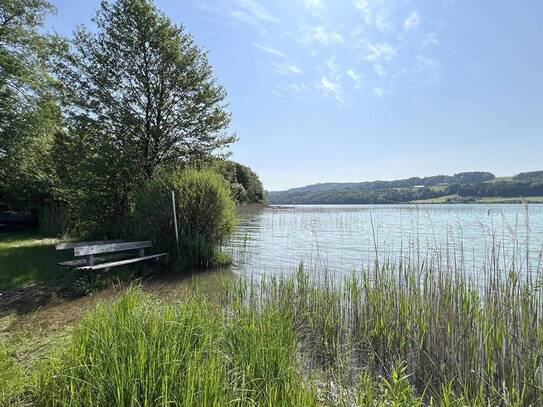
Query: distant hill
(461, 187)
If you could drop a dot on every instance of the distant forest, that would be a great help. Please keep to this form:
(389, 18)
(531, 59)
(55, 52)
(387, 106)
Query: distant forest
(457, 188)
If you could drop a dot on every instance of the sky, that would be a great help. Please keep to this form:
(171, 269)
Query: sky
(360, 90)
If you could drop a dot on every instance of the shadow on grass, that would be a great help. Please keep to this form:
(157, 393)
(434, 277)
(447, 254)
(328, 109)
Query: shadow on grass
(26, 258)
(30, 276)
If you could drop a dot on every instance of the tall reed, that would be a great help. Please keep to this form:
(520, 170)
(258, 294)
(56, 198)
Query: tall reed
(413, 331)
(142, 352)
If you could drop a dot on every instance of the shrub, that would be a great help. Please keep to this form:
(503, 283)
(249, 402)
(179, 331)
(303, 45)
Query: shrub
(205, 214)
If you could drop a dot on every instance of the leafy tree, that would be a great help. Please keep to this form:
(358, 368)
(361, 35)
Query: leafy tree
(29, 114)
(245, 185)
(139, 94)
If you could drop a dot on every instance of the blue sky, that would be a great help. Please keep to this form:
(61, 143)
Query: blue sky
(356, 90)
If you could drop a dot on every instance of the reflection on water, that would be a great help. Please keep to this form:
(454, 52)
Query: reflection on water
(344, 238)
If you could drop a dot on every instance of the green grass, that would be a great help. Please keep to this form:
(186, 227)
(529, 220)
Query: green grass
(144, 352)
(387, 336)
(396, 334)
(28, 257)
(439, 200)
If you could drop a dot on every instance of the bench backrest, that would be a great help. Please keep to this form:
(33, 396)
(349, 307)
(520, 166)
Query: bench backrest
(112, 247)
(66, 246)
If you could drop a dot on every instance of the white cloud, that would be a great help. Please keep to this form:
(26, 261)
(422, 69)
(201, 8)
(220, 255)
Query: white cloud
(251, 12)
(290, 90)
(383, 20)
(365, 9)
(382, 51)
(314, 7)
(431, 40)
(355, 76)
(321, 35)
(286, 69)
(376, 13)
(379, 92)
(428, 67)
(331, 88)
(379, 70)
(332, 66)
(412, 22)
(270, 50)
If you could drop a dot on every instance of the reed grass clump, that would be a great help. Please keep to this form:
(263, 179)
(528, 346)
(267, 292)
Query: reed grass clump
(139, 351)
(450, 339)
(396, 333)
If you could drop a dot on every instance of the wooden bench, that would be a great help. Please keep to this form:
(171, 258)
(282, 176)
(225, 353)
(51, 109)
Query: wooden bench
(114, 254)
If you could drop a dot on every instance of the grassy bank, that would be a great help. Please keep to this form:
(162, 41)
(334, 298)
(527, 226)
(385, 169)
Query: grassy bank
(391, 335)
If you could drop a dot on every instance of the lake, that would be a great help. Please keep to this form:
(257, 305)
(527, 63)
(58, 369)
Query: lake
(339, 239)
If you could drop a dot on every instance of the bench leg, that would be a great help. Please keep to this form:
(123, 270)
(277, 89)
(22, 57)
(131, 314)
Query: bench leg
(90, 260)
(141, 252)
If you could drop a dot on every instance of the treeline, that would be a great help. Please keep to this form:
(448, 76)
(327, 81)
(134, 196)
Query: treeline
(86, 121)
(463, 177)
(465, 186)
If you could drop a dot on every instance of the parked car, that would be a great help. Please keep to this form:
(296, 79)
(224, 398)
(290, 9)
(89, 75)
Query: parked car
(10, 221)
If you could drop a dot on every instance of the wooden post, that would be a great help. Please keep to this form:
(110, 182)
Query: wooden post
(175, 222)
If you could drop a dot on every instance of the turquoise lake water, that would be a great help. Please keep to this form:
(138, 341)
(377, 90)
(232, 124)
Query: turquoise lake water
(345, 238)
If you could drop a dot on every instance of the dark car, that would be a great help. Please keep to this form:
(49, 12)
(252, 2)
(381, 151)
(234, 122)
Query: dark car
(10, 221)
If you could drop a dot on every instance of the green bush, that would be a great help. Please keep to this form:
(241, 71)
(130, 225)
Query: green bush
(205, 214)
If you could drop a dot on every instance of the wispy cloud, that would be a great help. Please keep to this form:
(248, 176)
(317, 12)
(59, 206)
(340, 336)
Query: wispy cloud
(364, 6)
(315, 7)
(429, 68)
(430, 40)
(355, 77)
(377, 13)
(379, 92)
(270, 50)
(412, 21)
(322, 35)
(290, 90)
(248, 12)
(332, 66)
(330, 88)
(286, 69)
(385, 43)
(252, 12)
(379, 70)
(381, 51)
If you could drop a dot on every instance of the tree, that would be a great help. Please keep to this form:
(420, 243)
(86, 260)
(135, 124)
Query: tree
(245, 185)
(29, 114)
(139, 94)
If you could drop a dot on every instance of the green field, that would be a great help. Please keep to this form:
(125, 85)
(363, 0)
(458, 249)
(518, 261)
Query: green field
(494, 200)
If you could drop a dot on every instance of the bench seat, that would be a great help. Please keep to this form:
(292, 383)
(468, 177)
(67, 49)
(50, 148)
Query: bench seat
(97, 260)
(73, 245)
(120, 262)
(105, 254)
